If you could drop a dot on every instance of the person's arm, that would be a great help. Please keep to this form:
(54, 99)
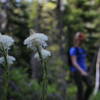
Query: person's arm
(76, 65)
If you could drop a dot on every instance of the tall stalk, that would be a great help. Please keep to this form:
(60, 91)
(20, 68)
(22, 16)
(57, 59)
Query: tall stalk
(37, 42)
(44, 76)
(5, 74)
(5, 43)
(6, 78)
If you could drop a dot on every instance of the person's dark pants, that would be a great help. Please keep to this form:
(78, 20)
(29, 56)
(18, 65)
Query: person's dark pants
(84, 86)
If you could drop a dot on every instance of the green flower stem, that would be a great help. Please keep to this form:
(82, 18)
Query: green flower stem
(44, 76)
(6, 74)
(6, 78)
(45, 79)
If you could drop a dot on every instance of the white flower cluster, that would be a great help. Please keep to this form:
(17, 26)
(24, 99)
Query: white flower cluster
(38, 39)
(10, 60)
(45, 54)
(6, 41)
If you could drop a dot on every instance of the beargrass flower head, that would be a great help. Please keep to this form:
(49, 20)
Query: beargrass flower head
(36, 39)
(10, 59)
(45, 54)
(6, 41)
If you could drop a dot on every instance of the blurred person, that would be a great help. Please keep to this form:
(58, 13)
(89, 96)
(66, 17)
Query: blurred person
(78, 67)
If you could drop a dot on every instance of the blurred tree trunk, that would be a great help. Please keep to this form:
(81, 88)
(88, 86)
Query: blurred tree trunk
(35, 64)
(61, 40)
(3, 16)
(38, 19)
(36, 69)
(61, 34)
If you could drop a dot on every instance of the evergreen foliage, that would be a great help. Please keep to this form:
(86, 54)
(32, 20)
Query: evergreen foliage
(60, 26)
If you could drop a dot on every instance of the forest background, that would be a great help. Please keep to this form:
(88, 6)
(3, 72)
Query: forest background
(59, 20)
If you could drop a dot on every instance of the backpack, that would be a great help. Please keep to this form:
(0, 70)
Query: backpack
(69, 58)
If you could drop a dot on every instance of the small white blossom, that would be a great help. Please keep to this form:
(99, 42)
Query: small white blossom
(45, 54)
(10, 60)
(36, 39)
(6, 41)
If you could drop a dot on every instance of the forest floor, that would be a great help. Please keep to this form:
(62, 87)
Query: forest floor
(71, 93)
